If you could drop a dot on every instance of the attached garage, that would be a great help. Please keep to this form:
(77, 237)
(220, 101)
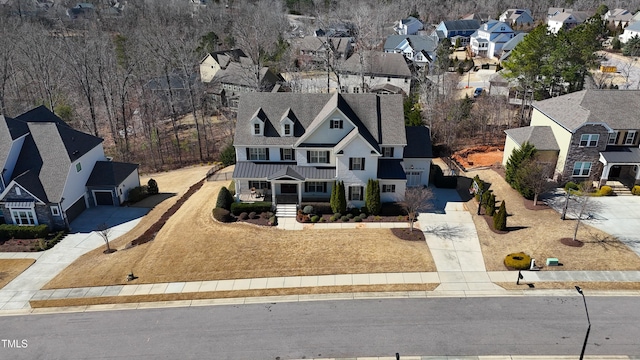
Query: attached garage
(76, 209)
(103, 197)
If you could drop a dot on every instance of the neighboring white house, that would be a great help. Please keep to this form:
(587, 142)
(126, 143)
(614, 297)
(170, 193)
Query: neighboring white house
(408, 26)
(488, 40)
(630, 31)
(517, 17)
(52, 172)
(292, 147)
(566, 20)
(619, 17)
(421, 50)
(457, 29)
(375, 71)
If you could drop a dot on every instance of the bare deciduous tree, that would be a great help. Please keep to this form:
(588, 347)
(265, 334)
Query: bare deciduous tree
(535, 175)
(417, 199)
(105, 231)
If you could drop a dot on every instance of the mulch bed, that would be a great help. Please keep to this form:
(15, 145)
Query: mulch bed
(369, 219)
(407, 234)
(570, 242)
(18, 245)
(528, 204)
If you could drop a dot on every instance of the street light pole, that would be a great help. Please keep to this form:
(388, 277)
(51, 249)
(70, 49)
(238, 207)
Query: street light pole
(584, 346)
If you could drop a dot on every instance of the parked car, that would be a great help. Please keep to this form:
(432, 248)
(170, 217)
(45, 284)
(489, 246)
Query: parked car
(477, 92)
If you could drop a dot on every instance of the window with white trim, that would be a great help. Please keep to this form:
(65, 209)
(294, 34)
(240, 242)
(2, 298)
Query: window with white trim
(630, 138)
(336, 124)
(581, 168)
(287, 154)
(388, 188)
(612, 138)
(18, 191)
(318, 157)
(23, 217)
(387, 151)
(256, 129)
(55, 211)
(356, 163)
(355, 193)
(257, 154)
(589, 140)
(287, 130)
(315, 187)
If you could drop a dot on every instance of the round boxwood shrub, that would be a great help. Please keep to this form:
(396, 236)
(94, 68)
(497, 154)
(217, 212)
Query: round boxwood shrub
(358, 219)
(253, 215)
(350, 215)
(243, 216)
(308, 209)
(518, 261)
(273, 221)
(315, 218)
(222, 215)
(337, 215)
(344, 218)
(362, 216)
(571, 186)
(333, 218)
(636, 190)
(606, 190)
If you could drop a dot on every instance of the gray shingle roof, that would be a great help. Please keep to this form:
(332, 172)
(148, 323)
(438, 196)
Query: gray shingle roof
(418, 142)
(539, 136)
(377, 63)
(253, 170)
(391, 169)
(110, 173)
(418, 43)
(618, 109)
(377, 116)
(621, 155)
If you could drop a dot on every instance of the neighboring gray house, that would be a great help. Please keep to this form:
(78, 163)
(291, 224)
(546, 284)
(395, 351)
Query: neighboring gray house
(421, 50)
(517, 17)
(510, 45)
(318, 50)
(51, 172)
(454, 29)
(375, 72)
(619, 17)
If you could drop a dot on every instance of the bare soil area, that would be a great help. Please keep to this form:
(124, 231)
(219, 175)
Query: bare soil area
(10, 268)
(192, 246)
(538, 234)
(479, 156)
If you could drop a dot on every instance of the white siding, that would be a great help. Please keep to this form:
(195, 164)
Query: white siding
(419, 165)
(395, 196)
(130, 182)
(76, 181)
(509, 146)
(208, 69)
(357, 149)
(323, 134)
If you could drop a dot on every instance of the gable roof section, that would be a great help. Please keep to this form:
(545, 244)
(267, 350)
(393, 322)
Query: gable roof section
(462, 25)
(418, 142)
(539, 136)
(286, 171)
(635, 26)
(110, 173)
(417, 42)
(378, 63)
(376, 117)
(41, 114)
(618, 109)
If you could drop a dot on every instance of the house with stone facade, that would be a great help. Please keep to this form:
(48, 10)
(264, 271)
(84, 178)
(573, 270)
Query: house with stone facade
(594, 132)
(52, 172)
(291, 147)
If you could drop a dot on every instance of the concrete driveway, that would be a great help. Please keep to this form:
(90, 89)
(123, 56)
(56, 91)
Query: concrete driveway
(618, 216)
(81, 239)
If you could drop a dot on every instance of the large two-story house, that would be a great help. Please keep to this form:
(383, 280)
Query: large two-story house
(420, 50)
(292, 147)
(51, 172)
(457, 29)
(488, 40)
(375, 72)
(594, 134)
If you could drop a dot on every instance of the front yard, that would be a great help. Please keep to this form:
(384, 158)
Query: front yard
(192, 246)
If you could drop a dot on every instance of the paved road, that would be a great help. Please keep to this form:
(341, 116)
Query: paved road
(326, 329)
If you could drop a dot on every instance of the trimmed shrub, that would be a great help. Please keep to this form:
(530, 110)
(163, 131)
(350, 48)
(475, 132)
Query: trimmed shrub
(337, 215)
(636, 190)
(225, 199)
(605, 191)
(319, 207)
(333, 218)
(358, 219)
(222, 215)
(363, 216)
(372, 196)
(344, 218)
(153, 187)
(500, 218)
(518, 261)
(392, 209)
(258, 207)
(228, 156)
(490, 207)
(138, 193)
(243, 216)
(273, 221)
(253, 215)
(232, 187)
(308, 209)
(8, 231)
(350, 215)
(486, 196)
(365, 210)
(571, 186)
(315, 218)
(354, 211)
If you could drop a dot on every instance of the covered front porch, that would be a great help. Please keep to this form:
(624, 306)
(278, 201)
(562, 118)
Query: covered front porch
(620, 164)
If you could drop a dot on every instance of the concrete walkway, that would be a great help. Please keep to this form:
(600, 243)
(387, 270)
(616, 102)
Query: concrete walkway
(17, 293)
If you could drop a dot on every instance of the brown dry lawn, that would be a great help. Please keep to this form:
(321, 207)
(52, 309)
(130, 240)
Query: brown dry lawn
(541, 234)
(192, 247)
(10, 268)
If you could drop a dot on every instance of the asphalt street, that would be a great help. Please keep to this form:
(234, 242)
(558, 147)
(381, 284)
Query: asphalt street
(327, 329)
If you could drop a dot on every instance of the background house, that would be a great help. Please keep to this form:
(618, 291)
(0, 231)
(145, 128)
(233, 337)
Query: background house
(596, 132)
(619, 17)
(517, 17)
(488, 40)
(318, 50)
(630, 31)
(461, 29)
(408, 26)
(375, 71)
(567, 19)
(292, 147)
(420, 50)
(52, 172)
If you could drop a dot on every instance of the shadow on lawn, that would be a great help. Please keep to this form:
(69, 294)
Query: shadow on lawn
(153, 200)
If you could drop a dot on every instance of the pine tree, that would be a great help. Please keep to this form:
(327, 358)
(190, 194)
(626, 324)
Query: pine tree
(490, 207)
(372, 198)
(500, 218)
(341, 199)
(334, 198)
(153, 187)
(518, 156)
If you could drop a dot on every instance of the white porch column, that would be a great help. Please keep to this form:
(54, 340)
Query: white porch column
(299, 193)
(273, 193)
(238, 190)
(605, 174)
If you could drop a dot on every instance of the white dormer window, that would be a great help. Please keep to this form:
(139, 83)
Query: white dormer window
(287, 129)
(256, 129)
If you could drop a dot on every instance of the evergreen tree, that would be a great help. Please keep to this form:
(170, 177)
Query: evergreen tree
(341, 199)
(500, 218)
(518, 156)
(152, 187)
(412, 115)
(632, 47)
(225, 199)
(491, 205)
(334, 197)
(372, 198)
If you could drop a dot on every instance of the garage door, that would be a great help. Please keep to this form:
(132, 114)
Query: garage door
(103, 197)
(76, 209)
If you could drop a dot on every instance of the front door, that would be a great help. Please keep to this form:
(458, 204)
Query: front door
(288, 188)
(615, 172)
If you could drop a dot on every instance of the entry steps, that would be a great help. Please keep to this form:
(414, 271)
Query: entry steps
(286, 210)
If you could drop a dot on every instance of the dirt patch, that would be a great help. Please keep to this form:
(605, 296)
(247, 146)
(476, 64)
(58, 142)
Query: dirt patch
(10, 268)
(231, 294)
(570, 242)
(407, 234)
(479, 156)
(528, 204)
(18, 245)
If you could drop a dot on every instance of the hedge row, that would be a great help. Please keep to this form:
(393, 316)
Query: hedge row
(8, 231)
(239, 207)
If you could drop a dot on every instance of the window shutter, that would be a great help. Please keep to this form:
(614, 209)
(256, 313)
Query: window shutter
(281, 154)
(306, 187)
(330, 124)
(267, 153)
(635, 137)
(392, 151)
(362, 166)
(361, 192)
(341, 124)
(248, 155)
(350, 163)
(324, 187)
(308, 157)
(328, 160)
(617, 138)
(293, 154)
(350, 193)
